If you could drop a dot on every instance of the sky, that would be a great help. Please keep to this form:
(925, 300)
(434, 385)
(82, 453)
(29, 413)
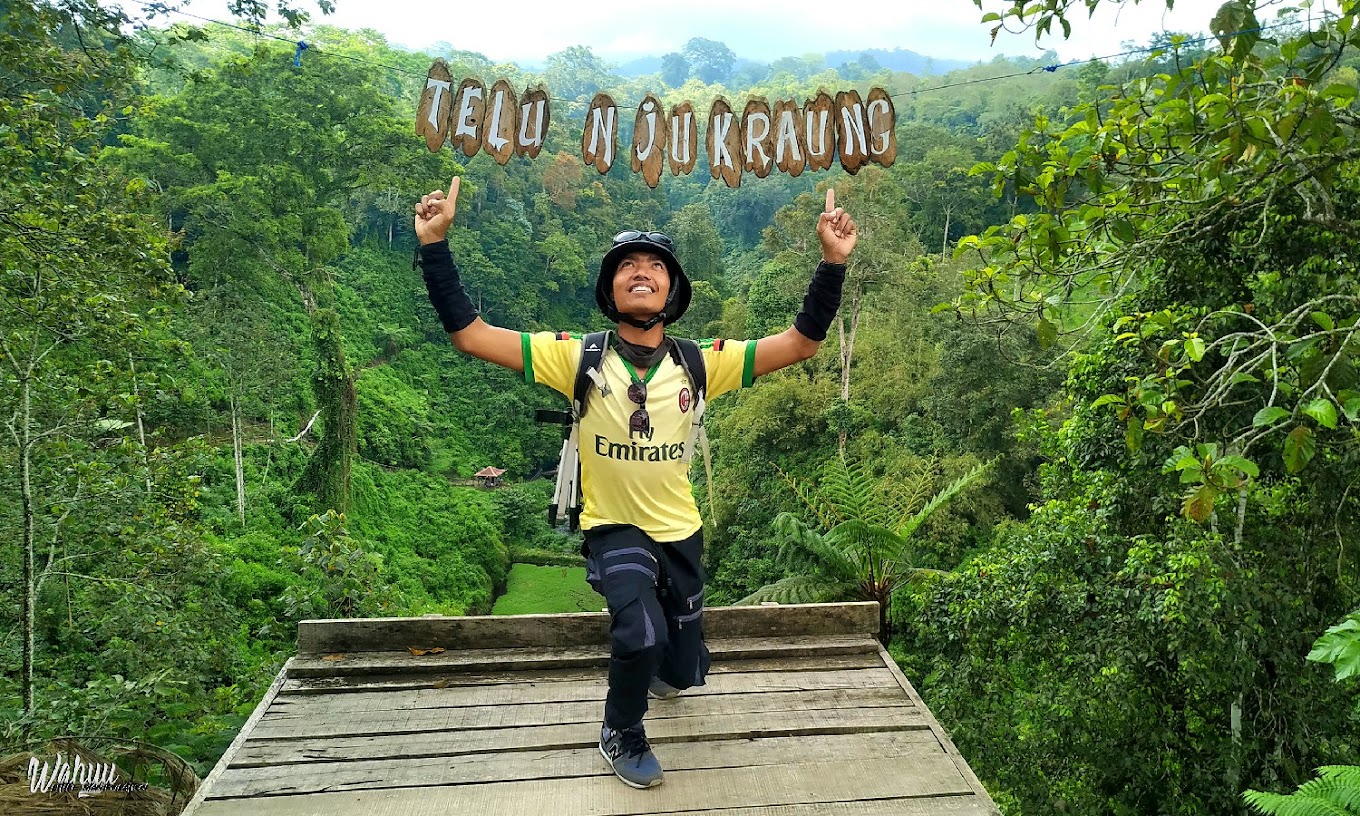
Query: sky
(622, 30)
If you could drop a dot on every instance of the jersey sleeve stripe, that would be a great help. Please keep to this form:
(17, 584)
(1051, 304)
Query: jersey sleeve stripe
(528, 357)
(748, 371)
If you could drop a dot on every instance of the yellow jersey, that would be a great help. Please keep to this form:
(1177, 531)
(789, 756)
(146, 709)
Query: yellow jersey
(637, 478)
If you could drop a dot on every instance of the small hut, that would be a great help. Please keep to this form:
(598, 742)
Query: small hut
(489, 476)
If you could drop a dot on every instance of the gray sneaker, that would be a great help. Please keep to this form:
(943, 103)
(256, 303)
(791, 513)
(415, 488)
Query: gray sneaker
(630, 755)
(662, 690)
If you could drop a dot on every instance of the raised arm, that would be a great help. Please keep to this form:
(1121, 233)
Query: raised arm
(836, 230)
(467, 331)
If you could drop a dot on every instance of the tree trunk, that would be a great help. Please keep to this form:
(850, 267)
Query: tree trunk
(944, 242)
(141, 429)
(327, 475)
(30, 587)
(236, 456)
(847, 353)
(884, 626)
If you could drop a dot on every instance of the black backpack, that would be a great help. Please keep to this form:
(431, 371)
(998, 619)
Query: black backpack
(567, 494)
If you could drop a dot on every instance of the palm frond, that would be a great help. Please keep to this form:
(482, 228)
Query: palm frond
(1336, 792)
(939, 499)
(800, 589)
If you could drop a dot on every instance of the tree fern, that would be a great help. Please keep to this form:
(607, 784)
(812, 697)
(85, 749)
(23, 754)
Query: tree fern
(848, 490)
(799, 589)
(1336, 792)
(803, 549)
(811, 499)
(862, 551)
(909, 525)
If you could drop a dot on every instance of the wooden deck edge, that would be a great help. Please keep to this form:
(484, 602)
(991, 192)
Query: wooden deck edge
(316, 637)
(241, 736)
(959, 762)
(535, 659)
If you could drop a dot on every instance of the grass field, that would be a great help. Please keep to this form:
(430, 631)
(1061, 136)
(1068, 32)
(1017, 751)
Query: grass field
(534, 590)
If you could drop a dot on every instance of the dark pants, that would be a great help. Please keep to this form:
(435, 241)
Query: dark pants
(655, 592)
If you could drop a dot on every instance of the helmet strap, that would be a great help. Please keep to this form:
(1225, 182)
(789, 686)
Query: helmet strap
(645, 325)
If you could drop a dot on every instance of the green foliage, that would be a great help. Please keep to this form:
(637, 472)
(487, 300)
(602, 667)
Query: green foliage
(1336, 792)
(862, 547)
(394, 426)
(545, 590)
(1340, 646)
(346, 581)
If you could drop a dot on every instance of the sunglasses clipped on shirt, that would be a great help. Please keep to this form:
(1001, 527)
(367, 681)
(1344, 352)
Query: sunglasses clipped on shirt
(658, 238)
(639, 422)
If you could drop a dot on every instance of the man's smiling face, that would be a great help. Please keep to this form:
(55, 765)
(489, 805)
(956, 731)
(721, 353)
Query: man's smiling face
(641, 284)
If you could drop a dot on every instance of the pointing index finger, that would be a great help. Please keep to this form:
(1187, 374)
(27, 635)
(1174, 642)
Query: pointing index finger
(453, 188)
(830, 199)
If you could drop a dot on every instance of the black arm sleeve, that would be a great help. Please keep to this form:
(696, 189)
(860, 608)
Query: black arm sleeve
(822, 300)
(447, 295)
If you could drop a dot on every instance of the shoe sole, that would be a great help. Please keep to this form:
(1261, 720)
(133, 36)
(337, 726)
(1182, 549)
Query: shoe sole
(663, 697)
(627, 782)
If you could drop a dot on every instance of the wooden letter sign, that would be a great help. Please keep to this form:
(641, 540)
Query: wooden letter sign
(649, 140)
(757, 137)
(852, 138)
(820, 131)
(469, 107)
(498, 136)
(789, 145)
(684, 133)
(724, 144)
(882, 128)
(600, 135)
(533, 110)
(432, 119)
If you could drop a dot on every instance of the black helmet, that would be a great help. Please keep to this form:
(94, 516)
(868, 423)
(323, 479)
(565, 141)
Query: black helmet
(659, 244)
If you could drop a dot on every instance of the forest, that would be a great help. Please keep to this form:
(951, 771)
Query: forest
(1087, 425)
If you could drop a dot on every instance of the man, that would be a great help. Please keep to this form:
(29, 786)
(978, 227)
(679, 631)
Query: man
(643, 535)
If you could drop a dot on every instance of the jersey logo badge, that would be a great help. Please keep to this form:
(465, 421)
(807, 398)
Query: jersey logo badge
(684, 400)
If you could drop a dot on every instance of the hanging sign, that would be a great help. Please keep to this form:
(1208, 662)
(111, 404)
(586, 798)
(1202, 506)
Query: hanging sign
(757, 138)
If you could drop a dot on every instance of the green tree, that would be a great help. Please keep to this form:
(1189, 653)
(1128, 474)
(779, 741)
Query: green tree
(261, 201)
(709, 60)
(80, 270)
(576, 73)
(674, 69)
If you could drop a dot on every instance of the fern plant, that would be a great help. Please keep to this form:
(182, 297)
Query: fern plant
(1336, 792)
(861, 548)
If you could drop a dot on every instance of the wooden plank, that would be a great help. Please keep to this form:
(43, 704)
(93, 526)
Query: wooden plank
(511, 714)
(237, 744)
(594, 688)
(572, 629)
(966, 805)
(350, 663)
(966, 772)
(390, 682)
(575, 762)
(661, 731)
(697, 790)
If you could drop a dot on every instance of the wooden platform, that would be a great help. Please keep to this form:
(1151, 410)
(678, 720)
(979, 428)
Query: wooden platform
(803, 713)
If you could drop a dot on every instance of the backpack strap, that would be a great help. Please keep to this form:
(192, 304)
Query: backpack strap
(692, 361)
(589, 370)
(567, 492)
